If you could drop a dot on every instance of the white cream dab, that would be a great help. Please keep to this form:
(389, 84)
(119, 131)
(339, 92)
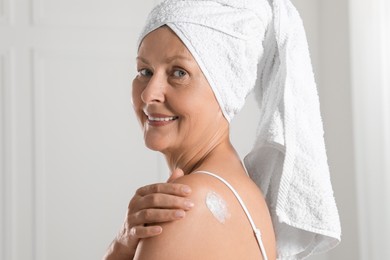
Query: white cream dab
(218, 206)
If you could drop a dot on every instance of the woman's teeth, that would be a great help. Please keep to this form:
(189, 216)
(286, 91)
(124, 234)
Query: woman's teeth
(160, 119)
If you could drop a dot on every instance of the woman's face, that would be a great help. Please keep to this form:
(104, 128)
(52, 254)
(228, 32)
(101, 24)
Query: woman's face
(172, 99)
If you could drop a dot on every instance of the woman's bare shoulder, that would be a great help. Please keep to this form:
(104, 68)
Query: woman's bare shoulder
(191, 237)
(215, 228)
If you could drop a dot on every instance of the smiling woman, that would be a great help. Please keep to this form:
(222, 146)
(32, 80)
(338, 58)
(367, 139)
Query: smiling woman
(197, 61)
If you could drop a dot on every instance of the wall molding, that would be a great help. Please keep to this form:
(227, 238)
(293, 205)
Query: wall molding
(4, 12)
(369, 36)
(3, 176)
(6, 155)
(38, 190)
(7, 12)
(385, 36)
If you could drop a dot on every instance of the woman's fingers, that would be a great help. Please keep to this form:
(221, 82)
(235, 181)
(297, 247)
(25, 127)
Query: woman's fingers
(125, 244)
(156, 203)
(163, 196)
(148, 216)
(151, 204)
(162, 201)
(144, 232)
(166, 188)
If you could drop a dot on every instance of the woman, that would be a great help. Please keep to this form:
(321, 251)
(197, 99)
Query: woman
(197, 61)
(182, 119)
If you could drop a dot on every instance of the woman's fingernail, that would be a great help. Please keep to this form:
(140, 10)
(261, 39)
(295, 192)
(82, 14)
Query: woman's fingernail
(188, 204)
(132, 231)
(179, 214)
(186, 190)
(156, 230)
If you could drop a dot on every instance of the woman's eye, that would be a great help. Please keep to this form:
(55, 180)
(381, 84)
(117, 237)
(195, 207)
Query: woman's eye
(145, 73)
(179, 73)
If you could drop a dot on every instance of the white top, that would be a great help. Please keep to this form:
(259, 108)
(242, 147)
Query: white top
(256, 230)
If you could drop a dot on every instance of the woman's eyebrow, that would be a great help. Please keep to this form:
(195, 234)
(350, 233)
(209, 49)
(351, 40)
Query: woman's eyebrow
(168, 59)
(177, 57)
(142, 59)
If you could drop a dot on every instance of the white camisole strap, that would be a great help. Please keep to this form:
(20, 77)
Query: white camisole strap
(256, 230)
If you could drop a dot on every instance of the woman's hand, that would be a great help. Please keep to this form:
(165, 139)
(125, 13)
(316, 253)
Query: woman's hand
(151, 204)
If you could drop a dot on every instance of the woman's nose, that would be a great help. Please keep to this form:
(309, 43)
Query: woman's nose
(154, 90)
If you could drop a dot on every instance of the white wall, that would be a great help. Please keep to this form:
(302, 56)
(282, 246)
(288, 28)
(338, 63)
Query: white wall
(335, 95)
(370, 46)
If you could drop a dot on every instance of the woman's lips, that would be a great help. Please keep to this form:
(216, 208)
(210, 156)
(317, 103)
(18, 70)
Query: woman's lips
(160, 119)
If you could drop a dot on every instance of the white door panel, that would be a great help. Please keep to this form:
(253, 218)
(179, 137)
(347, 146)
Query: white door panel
(68, 160)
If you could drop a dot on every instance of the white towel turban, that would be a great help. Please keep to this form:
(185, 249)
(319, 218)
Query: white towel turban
(242, 45)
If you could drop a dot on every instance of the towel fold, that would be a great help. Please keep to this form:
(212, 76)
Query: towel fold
(244, 44)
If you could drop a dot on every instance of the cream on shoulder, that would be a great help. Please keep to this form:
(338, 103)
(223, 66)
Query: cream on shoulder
(217, 206)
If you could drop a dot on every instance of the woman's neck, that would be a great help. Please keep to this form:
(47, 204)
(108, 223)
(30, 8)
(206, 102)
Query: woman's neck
(197, 157)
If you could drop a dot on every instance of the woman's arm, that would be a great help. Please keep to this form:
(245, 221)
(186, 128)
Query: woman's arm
(150, 206)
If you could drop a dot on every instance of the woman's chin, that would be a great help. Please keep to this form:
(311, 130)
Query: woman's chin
(157, 146)
(157, 141)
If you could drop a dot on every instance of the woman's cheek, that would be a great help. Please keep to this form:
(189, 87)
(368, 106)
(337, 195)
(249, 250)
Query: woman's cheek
(137, 89)
(180, 82)
(136, 99)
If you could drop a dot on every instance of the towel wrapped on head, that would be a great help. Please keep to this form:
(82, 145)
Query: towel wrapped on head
(260, 45)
